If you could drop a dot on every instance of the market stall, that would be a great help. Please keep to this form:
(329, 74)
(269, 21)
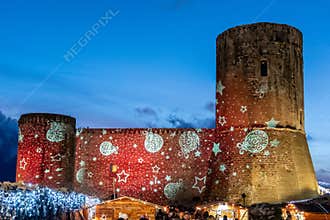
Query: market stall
(306, 211)
(125, 207)
(221, 209)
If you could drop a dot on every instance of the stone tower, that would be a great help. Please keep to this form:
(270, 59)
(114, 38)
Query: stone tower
(46, 149)
(260, 115)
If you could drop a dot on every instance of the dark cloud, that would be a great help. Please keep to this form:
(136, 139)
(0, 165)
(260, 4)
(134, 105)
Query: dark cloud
(323, 175)
(8, 147)
(152, 118)
(178, 122)
(210, 106)
(146, 111)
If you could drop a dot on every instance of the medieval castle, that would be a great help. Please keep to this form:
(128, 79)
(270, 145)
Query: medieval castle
(258, 147)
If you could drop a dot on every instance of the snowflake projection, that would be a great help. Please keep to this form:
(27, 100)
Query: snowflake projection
(57, 131)
(20, 136)
(254, 142)
(80, 175)
(189, 141)
(266, 153)
(171, 189)
(153, 142)
(107, 148)
(243, 108)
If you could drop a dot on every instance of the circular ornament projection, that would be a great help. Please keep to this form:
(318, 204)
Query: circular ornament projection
(153, 142)
(107, 148)
(254, 142)
(56, 132)
(80, 175)
(171, 189)
(189, 141)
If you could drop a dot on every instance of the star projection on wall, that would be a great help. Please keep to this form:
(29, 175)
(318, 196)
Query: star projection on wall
(216, 148)
(272, 123)
(245, 153)
(199, 183)
(161, 164)
(122, 176)
(22, 164)
(220, 87)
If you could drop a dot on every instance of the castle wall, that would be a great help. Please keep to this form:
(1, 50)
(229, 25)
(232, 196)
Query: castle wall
(156, 165)
(258, 148)
(46, 149)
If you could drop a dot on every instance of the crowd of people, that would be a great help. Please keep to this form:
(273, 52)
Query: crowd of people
(175, 214)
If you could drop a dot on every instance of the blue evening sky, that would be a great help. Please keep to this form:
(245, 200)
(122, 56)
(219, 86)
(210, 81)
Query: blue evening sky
(153, 64)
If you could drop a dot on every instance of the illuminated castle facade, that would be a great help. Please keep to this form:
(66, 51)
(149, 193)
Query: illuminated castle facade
(258, 146)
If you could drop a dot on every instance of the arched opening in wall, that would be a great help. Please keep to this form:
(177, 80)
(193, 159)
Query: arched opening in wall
(263, 68)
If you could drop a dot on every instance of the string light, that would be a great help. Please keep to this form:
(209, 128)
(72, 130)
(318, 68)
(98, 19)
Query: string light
(19, 201)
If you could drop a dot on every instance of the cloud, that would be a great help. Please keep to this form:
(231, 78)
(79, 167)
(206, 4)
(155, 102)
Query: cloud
(152, 118)
(178, 122)
(210, 106)
(146, 111)
(323, 175)
(8, 147)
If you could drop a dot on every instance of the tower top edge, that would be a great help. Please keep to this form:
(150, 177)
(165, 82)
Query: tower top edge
(45, 116)
(259, 26)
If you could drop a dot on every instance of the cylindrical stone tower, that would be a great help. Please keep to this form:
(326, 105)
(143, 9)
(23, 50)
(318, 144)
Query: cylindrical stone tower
(46, 145)
(260, 116)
